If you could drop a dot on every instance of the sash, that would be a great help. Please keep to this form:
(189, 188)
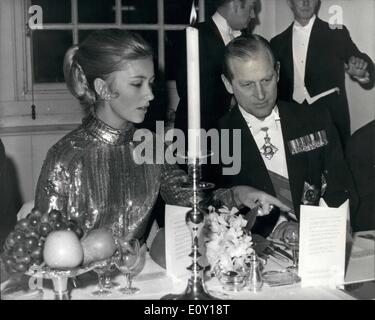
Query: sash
(282, 189)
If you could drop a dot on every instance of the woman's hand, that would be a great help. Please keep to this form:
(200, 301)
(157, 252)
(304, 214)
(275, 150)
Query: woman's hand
(251, 197)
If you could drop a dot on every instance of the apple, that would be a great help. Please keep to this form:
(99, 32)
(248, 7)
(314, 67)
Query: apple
(97, 245)
(62, 250)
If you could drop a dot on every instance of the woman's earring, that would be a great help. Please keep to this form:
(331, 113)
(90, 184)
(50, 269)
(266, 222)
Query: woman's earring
(107, 96)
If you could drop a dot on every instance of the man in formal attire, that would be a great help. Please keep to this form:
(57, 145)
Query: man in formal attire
(289, 152)
(314, 57)
(360, 156)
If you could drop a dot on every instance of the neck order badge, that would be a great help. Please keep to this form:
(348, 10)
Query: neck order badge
(268, 149)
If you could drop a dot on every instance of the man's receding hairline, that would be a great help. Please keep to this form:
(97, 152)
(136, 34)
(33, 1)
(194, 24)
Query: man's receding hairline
(246, 56)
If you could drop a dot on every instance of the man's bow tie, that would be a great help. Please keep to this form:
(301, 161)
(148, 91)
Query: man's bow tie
(299, 27)
(269, 123)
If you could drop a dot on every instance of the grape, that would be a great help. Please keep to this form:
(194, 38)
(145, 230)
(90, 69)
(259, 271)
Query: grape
(23, 225)
(54, 215)
(34, 221)
(33, 233)
(10, 241)
(36, 213)
(44, 218)
(58, 225)
(44, 229)
(41, 242)
(37, 253)
(26, 260)
(71, 225)
(31, 243)
(9, 262)
(18, 236)
(20, 251)
(21, 267)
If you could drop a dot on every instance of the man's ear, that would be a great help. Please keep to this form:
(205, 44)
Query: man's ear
(289, 4)
(277, 68)
(227, 84)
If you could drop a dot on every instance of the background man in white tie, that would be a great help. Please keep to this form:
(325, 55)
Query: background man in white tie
(291, 153)
(314, 57)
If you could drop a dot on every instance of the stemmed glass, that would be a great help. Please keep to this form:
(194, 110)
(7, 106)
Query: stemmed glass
(108, 282)
(291, 239)
(127, 261)
(101, 270)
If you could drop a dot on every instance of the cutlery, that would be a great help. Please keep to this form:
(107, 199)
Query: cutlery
(278, 243)
(275, 254)
(281, 251)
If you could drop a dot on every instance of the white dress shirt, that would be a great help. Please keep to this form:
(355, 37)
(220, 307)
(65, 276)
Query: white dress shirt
(277, 163)
(226, 32)
(301, 38)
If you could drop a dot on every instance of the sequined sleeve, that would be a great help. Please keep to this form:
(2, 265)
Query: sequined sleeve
(53, 184)
(172, 178)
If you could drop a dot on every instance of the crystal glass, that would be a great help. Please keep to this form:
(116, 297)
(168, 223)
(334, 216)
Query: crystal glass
(127, 261)
(101, 270)
(108, 282)
(291, 239)
(234, 280)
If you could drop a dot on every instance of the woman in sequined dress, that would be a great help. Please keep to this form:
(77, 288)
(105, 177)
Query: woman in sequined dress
(91, 173)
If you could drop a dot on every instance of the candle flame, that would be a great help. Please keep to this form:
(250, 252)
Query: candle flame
(193, 14)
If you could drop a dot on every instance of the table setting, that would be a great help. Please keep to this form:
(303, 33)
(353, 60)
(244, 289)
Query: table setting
(254, 268)
(47, 256)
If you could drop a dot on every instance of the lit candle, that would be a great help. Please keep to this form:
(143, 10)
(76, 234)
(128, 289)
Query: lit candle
(194, 112)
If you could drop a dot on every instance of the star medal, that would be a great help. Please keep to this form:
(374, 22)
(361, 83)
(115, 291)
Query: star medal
(268, 149)
(310, 194)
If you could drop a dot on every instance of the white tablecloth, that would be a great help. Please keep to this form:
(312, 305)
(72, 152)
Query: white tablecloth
(154, 283)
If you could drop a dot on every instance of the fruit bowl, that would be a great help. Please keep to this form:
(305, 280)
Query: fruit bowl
(60, 277)
(53, 246)
(44, 271)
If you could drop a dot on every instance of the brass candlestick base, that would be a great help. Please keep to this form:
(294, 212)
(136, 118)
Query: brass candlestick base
(195, 289)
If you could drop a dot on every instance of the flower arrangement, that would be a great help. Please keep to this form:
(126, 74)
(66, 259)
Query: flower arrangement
(228, 244)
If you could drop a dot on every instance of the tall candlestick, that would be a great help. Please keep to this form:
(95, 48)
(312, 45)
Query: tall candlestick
(194, 112)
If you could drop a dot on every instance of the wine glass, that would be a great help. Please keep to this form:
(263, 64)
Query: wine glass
(101, 269)
(291, 239)
(108, 282)
(127, 261)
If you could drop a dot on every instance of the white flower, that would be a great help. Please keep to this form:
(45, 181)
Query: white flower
(228, 245)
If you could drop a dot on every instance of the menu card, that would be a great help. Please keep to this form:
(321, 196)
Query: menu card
(178, 242)
(322, 244)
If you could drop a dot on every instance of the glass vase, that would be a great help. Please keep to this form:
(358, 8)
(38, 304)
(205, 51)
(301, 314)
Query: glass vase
(232, 280)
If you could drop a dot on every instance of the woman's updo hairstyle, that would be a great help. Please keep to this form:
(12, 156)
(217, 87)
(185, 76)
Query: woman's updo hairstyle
(100, 54)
